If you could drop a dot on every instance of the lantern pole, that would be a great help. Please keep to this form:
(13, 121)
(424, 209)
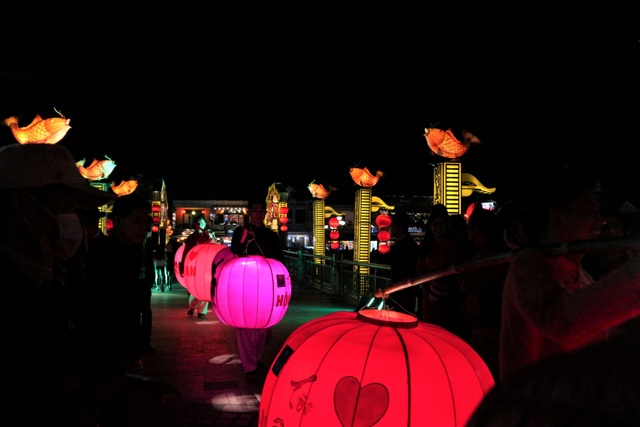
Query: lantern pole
(585, 246)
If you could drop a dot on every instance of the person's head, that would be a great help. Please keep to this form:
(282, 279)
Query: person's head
(565, 208)
(400, 223)
(257, 210)
(515, 224)
(199, 222)
(131, 219)
(438, 220)
(484, 228)
(42, 188)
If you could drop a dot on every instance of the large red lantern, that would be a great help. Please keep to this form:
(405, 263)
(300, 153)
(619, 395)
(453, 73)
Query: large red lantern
(334, 235)
(177, 260)
(197, 269)
(384, 235)
(284, 210)
(334, 222)
(399, 372)
(335, 246)
(251, 292)
(283, 220)
(383, 220)
(384, 249)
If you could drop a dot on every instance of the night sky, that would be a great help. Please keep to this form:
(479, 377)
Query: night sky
(222, 104)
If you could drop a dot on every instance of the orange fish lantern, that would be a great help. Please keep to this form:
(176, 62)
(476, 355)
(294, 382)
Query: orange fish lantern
(39, 131)
(97, 170)
(445, 144)
(364, 178)
(125, 187)
(318, 191)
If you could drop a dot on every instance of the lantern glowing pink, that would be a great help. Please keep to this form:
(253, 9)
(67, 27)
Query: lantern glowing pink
(251, 292)
(198, 267)
(383, 220)
(384, 249)
(284, 210)
(283, 220)
(284, 228)
(333, 222)
(384, 235)
(334, 235)
(177, 260)
(399, 372)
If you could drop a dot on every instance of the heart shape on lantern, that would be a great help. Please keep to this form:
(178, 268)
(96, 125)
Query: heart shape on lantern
(360, 406)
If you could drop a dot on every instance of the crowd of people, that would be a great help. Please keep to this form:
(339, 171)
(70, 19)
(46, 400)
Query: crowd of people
(531, 318)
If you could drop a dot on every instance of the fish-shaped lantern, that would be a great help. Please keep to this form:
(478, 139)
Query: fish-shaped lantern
(318, 191)
(445, 144)
(364, 178)
(125, 187)
(97, 170)
(39, 131)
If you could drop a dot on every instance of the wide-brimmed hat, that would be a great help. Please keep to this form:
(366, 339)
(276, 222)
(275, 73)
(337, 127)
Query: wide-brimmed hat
(40, 165)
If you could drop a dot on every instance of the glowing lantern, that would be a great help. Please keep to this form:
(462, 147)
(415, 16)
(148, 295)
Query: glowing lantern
(284, 210)
(384, 249)
(384, 235)
(333, 222)
(383, 220)
(251, 292)
(284, 228)
(177, 260)
(399, 372)
(283, 220)
(155, 208)
(156, 219)
(335, 246)
(155, 229)
(197, 269)
(334, 235)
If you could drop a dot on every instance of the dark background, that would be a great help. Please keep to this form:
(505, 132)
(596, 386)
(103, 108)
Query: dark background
(222, 103)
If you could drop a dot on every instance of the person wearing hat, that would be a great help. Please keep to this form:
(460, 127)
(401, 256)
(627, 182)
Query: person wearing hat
(41, 188)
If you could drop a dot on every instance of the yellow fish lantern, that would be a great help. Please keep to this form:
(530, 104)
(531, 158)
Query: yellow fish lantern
(364, 178)
(39, 131)
(445, 144)
(125, 187)
(318, 191)
(97, 170)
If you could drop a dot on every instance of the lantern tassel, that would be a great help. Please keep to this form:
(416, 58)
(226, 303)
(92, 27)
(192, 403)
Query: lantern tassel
(585, 246)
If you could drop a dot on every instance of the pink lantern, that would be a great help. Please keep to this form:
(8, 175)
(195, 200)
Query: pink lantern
(383, 220)
(333, 222)
(197, 269)
(251, 292)
(334, 235)
(284, 228)
(177, 260)
(399, 372)
(384, 235)
(384, 249)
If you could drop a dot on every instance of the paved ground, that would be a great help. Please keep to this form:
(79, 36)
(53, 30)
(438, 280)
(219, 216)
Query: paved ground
(199, 358)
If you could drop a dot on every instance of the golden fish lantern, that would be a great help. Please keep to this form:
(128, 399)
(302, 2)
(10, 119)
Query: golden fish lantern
(125, 187)
(97, 170)
(319, 191)
(364, 178)
(445, 144)
(39, 131)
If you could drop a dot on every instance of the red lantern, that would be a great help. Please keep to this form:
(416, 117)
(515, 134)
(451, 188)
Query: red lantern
(155, 208)
(155, 229)
(284, 228)
(197, 269)
(384, 235)
(284, 210)
(251, 292)
(283, 220)
(177, 260)
(156, 220)
(335, 246)
(334, 235)
(399, 372)
(383, 220)
(333, 222)
(384, 249)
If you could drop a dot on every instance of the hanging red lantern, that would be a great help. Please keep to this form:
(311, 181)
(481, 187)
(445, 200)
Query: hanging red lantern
(283, 220)
(334, 222)
(251, 292)
(400, 372)
(384, 235)
(197, 269)
(384, 249)
(177, 260)
(155, 229)
(335, 246)
(156, 219)
(334, 235)
(284, 210)
(383, 220)
(284, 228)
(155, 208)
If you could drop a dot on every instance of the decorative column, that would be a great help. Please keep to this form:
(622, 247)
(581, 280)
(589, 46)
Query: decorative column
(447, 186)
(362, 237)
